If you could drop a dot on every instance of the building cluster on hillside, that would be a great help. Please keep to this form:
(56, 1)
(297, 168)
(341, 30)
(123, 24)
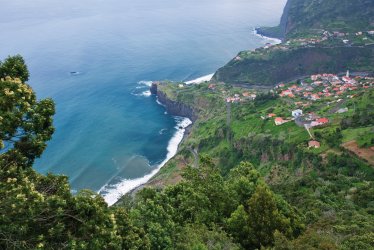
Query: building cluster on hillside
(322, 37)
(308, 121)
(319, 87)
(245, 96)
(323, 85)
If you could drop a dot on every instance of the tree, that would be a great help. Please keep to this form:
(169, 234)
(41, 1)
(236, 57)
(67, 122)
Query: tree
(14, 67)
(255, 226)
(25, 123)
(242, 182)
(39, 212)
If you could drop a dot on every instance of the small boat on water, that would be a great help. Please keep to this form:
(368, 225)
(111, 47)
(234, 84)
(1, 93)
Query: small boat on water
(74, 73)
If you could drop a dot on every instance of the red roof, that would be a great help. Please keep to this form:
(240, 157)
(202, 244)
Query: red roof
(314, 144)
(278, 119)
(322, 120)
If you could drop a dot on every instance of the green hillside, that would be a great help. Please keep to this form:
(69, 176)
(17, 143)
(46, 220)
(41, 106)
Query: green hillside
(329, 185)
(303, 17)
(318, 36)
(266, 67)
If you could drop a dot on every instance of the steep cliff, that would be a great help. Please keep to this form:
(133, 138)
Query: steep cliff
(280, 30)
(301, 17)
(173, 107)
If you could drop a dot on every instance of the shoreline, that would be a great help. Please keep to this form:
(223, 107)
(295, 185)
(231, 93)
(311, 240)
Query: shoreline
(274, 39)
(112, 193)
(201, 79)
(116, 191)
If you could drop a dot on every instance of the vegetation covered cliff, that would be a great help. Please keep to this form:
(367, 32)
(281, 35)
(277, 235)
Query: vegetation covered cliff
(318, 36)
(303, 17)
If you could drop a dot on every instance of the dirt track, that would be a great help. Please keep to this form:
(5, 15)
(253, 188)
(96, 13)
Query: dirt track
(364, 153)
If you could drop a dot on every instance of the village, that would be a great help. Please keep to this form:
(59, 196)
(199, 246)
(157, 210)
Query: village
(314, 99)
(323, 38)
(305, 106)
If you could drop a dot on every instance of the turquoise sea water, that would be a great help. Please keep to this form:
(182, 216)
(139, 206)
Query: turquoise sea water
(107, 128)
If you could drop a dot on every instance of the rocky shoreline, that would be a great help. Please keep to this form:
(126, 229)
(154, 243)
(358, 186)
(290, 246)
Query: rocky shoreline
(174, 108)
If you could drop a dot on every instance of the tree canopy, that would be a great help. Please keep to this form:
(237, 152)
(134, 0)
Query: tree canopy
(14, 67)
(25, 122)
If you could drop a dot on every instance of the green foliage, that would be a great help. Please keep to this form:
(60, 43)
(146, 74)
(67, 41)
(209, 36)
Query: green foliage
(200, 237)
(204, 211)
(39, 212)
(25, 123)
(344, 15)
(271, 67)
(256, 225)
(14, 67)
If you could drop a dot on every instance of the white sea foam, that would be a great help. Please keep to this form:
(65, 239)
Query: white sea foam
(272, 40)
(159, 103)
(112, 193)
(139, 90)
(146, 83)
(200, 79)
(162, 131)
(146, 93)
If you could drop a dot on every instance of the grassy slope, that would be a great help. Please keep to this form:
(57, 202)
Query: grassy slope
(323, 191)
(269, 68)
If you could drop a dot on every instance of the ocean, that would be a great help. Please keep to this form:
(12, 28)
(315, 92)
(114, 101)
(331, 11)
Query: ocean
(96, 59)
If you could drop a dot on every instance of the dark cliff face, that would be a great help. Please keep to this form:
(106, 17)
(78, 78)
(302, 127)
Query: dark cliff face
(302, 17)
(280, 30)
(173, 107)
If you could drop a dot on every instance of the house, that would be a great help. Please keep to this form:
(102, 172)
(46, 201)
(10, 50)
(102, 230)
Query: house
(279, 121)
(212, 86)
(318, 122)
(297, 113)
(271, 115)
(342, 110)
(314, 144)
(312, 116)
(267, 45)
(346, 79)
(315, 97)
(233, 99)
(315, 77)
(286, 93)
